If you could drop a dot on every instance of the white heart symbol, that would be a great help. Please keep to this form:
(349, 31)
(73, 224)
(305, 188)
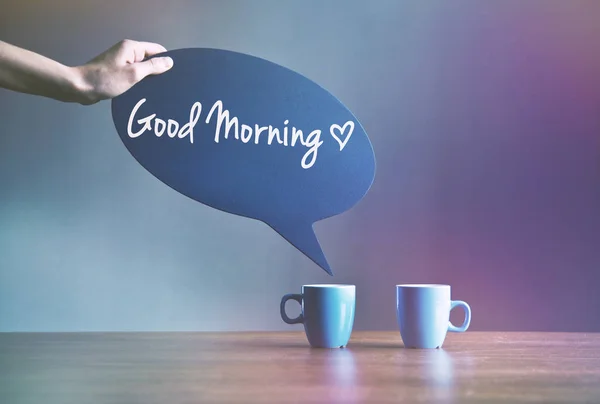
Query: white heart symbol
(341, 129)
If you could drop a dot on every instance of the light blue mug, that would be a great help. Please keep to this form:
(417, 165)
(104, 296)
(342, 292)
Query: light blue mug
(327, 314)
(423, 313)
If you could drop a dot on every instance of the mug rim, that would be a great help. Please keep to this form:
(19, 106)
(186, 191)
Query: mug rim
(422, 285)
(328, 285)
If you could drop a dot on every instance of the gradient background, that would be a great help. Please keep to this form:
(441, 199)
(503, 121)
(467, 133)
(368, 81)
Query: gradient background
(484, 117)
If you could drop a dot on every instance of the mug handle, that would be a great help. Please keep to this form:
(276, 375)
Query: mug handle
(467, 322)
(284, 299)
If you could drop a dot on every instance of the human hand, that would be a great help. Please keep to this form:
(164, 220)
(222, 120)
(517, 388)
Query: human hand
(119, 68)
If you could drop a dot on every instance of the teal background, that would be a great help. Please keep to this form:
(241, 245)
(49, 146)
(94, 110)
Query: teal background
(484, 117)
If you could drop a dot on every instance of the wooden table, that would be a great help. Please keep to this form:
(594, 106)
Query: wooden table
(473, 367)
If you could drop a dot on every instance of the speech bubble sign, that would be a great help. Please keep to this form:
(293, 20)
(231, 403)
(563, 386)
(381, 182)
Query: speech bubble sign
(249, 137)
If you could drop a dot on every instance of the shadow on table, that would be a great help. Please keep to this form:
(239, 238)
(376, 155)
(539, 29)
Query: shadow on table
(375, 345)
(362, 345)
(268, 343)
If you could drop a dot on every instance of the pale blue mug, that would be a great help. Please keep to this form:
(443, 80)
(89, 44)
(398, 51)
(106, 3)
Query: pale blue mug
(423, 313)
(327, 314)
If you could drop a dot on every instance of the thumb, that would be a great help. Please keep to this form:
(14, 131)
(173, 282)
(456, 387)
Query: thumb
(155, 65)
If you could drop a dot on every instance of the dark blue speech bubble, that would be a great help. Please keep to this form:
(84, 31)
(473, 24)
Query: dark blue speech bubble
(249, 137)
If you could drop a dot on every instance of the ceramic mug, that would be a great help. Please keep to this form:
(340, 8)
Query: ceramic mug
(423, 313)
(327, 313)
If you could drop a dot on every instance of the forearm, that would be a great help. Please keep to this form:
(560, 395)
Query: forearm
(106, 76)
(28, 72)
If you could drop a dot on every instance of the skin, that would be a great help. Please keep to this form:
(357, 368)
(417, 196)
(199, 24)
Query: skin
(106, 76)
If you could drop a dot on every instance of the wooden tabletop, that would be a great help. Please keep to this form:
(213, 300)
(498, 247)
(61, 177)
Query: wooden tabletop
(169, 368)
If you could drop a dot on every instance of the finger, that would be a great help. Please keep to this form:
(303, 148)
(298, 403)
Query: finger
(155, 65)
(137, 51)
(147, 49)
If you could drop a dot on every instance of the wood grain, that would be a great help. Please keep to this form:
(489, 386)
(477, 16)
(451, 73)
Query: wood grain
(473, 367)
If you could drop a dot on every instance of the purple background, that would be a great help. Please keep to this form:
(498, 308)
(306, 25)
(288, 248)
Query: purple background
(484, 117)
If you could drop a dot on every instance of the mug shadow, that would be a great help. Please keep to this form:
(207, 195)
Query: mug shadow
(362, 345)
(375, 345)
(295, 343)
(304, 344)
(270, 344)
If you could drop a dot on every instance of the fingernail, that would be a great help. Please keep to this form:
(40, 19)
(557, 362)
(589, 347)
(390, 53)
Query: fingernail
(168, 62)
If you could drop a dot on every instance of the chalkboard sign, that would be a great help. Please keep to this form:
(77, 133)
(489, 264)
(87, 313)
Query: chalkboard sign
(249, 137)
